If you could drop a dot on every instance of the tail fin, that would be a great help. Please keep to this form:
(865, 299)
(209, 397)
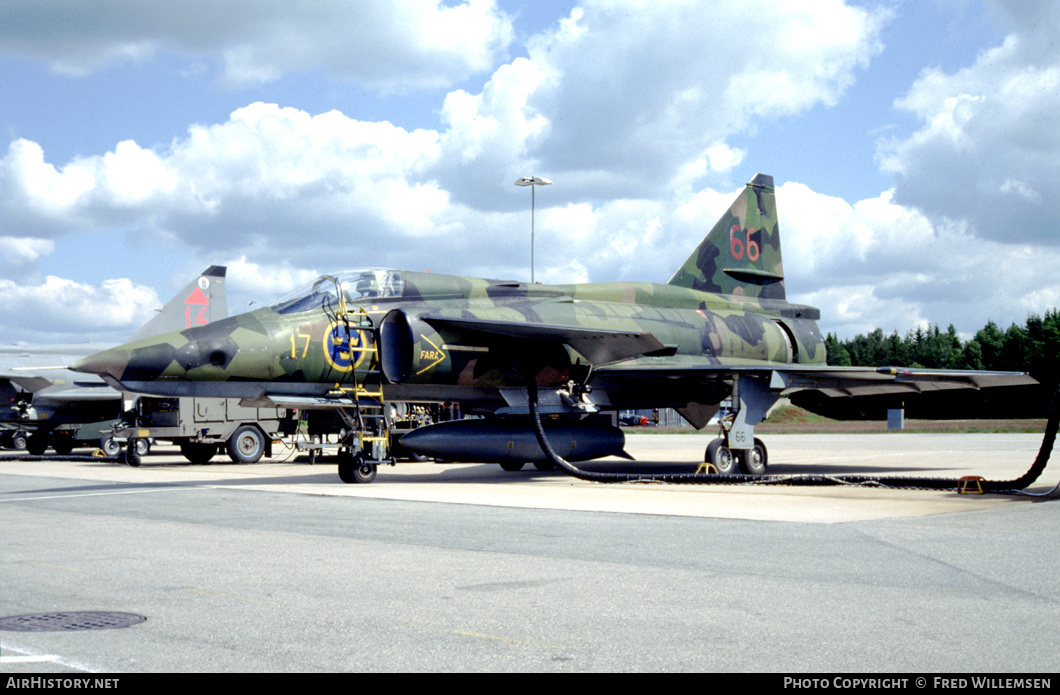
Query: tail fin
(741, 254)
(201, 301)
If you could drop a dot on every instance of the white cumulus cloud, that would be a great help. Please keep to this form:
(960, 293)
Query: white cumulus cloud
(393, 45)
(58, 309)
(987, 150)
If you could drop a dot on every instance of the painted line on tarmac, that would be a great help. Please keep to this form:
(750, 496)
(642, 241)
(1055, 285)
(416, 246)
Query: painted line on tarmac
(31, 656)
(28, 659)
(102, 494)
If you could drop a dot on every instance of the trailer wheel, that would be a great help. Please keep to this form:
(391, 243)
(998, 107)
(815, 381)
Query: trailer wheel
(247, 445)
(110, 446)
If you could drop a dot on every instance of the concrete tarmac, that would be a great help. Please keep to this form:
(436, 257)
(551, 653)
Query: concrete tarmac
(281, 567)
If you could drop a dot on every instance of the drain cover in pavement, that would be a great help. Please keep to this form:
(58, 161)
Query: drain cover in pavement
(69, 620)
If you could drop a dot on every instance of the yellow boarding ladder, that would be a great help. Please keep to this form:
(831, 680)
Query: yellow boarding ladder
(370, 420)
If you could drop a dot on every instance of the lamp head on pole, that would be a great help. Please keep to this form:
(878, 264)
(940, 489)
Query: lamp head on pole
(532, 181)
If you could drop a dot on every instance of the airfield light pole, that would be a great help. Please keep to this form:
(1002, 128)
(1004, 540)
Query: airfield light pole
(533, 182)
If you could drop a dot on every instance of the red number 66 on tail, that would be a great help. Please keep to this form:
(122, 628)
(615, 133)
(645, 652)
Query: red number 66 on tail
(737, 245)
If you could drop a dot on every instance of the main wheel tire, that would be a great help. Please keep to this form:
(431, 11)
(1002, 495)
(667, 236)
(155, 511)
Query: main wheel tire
(512, 466)
(247, 445)
(354, 469)
(721, 457)
(754, 460)
(546, 465)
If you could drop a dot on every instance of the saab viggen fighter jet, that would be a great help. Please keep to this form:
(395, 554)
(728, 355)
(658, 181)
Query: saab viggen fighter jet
(719, 331)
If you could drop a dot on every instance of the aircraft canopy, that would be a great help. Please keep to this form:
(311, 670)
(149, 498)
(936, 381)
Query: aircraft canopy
(356, 284)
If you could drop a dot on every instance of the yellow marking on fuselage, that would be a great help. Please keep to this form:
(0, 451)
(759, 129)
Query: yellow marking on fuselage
(438, 355)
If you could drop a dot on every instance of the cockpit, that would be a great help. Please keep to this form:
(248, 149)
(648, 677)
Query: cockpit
(356, 285)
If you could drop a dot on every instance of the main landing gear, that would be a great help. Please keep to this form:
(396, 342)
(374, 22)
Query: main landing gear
(729, 461)
(738, 451)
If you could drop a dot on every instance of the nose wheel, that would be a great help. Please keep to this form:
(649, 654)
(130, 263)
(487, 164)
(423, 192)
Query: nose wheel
(354, 469)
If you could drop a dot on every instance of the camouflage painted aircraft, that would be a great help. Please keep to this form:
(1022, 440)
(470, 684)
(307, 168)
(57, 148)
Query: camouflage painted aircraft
(720, 332)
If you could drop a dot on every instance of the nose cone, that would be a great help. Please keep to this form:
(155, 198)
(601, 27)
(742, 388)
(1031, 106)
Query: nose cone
(142, 361)
(175, 364)
(109, 363)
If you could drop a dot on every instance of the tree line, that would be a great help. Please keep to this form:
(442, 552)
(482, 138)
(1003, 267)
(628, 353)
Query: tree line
(1033, 347)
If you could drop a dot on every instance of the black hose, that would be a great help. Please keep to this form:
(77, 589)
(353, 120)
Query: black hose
(59, 457)
(1023, 481)
(1040, 461)
(605, 477)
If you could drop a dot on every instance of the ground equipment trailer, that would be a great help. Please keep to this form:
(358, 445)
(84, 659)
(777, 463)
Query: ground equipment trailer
(202, 426)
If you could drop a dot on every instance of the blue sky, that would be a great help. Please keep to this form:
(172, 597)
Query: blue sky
(912, 143)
